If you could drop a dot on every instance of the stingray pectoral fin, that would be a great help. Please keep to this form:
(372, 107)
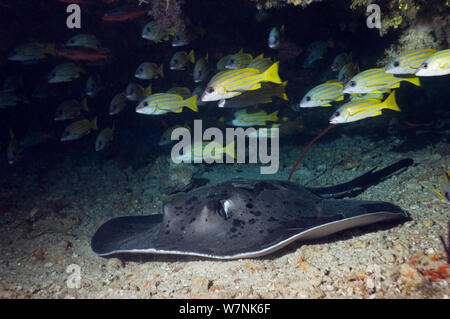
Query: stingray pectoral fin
(126, 234)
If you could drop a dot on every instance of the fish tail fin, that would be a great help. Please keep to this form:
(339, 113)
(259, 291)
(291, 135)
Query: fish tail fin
(50, 49)
(341, 98)
(229, 150)
(391, 103)
(148, 90)
(84, 105)
(161, 71)
(415, 80)
(191, 56)
(271, 74)
(283, 91)
(192, 103)
(261, 56)
(273, 117)
(94, 124)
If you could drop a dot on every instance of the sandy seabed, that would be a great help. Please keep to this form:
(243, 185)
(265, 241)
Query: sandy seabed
(54, 217)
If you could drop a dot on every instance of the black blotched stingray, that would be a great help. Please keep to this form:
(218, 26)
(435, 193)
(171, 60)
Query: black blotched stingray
(247, 218)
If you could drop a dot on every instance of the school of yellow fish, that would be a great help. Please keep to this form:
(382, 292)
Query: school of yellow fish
(237, 80)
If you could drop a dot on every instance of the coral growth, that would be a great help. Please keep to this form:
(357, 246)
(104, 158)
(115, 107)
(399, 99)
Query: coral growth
(415, 37)
(167, 15)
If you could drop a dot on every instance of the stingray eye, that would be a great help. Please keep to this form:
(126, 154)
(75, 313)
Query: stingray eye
(224, 208)
(352, 83)
(210, 90)
(396, 63)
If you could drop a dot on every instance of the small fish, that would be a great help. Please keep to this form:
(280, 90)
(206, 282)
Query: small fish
(323, 94)
(149, 70)
(275, 37)
(9, 98)
(186, 35)
(238, 60)
(12, 83)
(166, 136)
(222, 62)
(184, 92)
(123, 14)
(409, 62)
(436, 64)
(374, 80)
(118, 103)
(162, 103)
(242, 118)
(104, 138)
(92, 86)
(78, 129)
(360, 109)
(201, 70)
(260, 63)
(135, 92)
(261, 96)
(206, 151)
(180, 60)
(81, 55)
(266, 132)
(318, 50)
(70, 109)
(230, 83)
(151, 32)
(444, 193)
(84, 40)
(32, 51)
(347, 72)
(65, 72)
(340, 60)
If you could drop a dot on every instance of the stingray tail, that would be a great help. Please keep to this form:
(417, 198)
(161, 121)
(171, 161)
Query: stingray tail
(361, 183)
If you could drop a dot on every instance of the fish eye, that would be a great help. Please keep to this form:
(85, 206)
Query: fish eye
(72, 41)
(210, 89)
(396, 63)
(337, 114)
(147, 29)
(352, 83)
(308, 98)
(425, 65)
(145, 103)
(199, 73)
